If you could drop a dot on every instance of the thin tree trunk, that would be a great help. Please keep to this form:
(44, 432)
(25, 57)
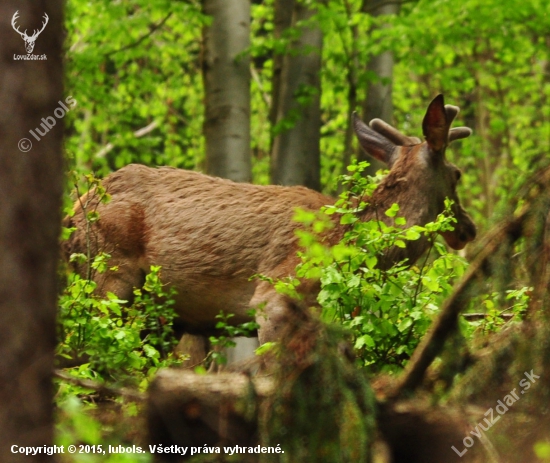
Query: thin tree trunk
(282, 21)
(30, 217)
(295, 158)
(378, 102)
(226, 74)
(351, 74)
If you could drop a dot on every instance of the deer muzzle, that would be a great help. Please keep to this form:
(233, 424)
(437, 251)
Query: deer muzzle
(464, 232)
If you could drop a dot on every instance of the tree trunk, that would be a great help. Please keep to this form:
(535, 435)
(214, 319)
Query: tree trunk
(378, 102)
(351, 77)
(226, 74)
(282, 21)
(30, 217)
(295, 159)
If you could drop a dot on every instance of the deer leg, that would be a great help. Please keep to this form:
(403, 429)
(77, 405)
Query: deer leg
(243, 350)
(273, 312)
(195, 346)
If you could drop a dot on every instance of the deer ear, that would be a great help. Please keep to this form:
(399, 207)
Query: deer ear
(372, 142)
(435, 125)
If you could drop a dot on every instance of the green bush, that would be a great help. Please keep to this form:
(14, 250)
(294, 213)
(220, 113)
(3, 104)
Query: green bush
(388, 311)
(119, 342)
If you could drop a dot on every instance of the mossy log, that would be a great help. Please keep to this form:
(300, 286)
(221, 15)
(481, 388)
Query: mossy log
(191, 410)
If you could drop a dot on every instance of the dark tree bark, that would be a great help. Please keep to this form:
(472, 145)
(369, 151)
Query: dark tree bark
(226, 74)
(378, 102)
(30, 217)
(295, 158)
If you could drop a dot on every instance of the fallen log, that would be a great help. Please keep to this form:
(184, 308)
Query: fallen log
(191, 410)
(227, 411)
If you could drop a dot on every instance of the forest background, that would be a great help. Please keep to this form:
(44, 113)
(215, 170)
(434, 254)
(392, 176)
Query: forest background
(146, 78)
(263, 91)
(138, 71)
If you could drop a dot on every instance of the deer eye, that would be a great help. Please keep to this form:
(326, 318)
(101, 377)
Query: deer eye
(458, 175)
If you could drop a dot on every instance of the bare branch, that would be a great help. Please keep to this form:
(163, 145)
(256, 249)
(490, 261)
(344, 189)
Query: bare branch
(99, 387)
(152, 30)
(256, 78)
(372, 8)
(138, 133)
(446, 323)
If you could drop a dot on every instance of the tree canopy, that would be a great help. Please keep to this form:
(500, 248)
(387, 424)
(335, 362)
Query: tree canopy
(135, 69)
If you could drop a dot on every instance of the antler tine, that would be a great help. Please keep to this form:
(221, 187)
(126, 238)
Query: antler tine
(392, 134)
(459, 132)
(14, 18)
(451, 111)
(44, 24)
(15, 27)
(398, 138)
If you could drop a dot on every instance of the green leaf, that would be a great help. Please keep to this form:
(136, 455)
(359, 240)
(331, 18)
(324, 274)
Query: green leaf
(364, 340)
(404, 324)
(266, 347)
(354, 281)
(393, 210)
(150, 351)
(371, 261)
(200, 370)
(412, 234)
(430, 283)
(66, 233)
(347, 219)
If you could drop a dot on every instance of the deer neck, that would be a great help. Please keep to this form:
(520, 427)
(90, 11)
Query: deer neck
(414, 207)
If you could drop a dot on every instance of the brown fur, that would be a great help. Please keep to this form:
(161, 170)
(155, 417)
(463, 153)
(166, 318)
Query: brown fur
(211, 235)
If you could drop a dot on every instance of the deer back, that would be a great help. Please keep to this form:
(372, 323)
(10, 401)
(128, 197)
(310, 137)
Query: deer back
(210, 235)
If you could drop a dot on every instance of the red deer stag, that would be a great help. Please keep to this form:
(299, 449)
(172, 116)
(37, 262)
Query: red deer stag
(210, 235)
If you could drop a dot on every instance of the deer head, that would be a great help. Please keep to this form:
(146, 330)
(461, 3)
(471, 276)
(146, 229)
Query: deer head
(420, 177)
(29, 41)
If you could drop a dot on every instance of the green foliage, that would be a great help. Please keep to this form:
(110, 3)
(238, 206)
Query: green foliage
(513, 302)
(115, 343)
(542, 451)
(131, 65)
(118, 342)
(479, 54)
(388, 310)
(78, 426)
